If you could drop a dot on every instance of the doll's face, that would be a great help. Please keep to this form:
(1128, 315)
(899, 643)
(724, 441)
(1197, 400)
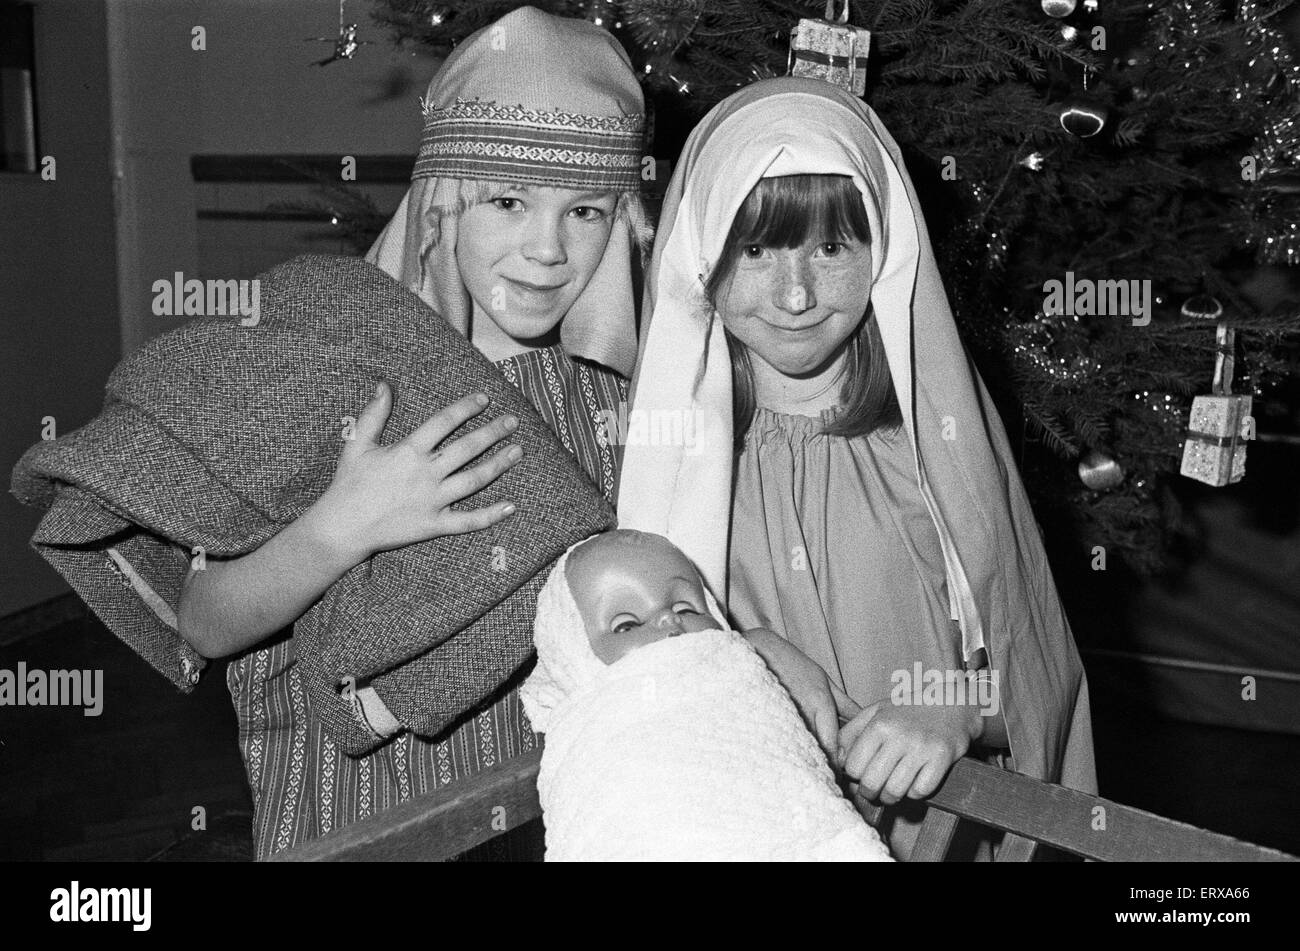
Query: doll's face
(633, 589)
(794, 308)
(526, 255)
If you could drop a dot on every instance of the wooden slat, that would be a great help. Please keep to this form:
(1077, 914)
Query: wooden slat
(1081, 824)
(437, 826)
(1015, 848)
(932, 842)
(470, 812)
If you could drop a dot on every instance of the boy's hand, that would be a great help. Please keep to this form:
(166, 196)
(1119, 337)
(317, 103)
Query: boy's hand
(804, 680)
(385, 497)
(845, 706)
(896, 752)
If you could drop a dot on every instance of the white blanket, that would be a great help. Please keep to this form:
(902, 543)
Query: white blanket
(689, 749)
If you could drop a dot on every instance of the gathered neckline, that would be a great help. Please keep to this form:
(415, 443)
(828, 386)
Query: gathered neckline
(794, 427)
(798, 420)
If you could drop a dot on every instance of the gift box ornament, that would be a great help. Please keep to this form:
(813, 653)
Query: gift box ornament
(1215, 449)
(833, 51)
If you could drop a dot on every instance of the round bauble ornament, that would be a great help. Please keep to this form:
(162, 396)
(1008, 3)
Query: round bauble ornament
(1099, 471)
(1202, 307)
(1082, 116)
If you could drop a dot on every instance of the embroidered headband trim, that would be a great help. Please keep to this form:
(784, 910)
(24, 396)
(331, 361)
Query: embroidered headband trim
(481, 140)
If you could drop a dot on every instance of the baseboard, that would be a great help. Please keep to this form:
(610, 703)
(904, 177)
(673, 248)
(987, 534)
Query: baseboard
(39, 618)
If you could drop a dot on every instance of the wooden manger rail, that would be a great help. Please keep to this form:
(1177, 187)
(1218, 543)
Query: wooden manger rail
(1031, 813)
(1034, 813)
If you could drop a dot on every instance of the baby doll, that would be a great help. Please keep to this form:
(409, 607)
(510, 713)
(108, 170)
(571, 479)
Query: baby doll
(667, 737)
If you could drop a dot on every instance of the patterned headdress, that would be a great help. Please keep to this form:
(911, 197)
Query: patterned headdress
(532, 99)
(535, 98)
(472, 139)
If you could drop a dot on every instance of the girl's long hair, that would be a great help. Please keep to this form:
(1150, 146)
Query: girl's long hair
(783, 212)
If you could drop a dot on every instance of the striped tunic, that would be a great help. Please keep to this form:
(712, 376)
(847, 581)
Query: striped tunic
(303, 785)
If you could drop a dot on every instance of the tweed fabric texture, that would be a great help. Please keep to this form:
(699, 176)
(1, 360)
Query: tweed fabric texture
(303, 785)
(218, 435)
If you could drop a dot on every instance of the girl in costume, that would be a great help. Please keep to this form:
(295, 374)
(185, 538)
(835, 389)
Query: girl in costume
(849, 485)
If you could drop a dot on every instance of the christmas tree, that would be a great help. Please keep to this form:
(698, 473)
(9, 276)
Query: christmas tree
(1104, 141)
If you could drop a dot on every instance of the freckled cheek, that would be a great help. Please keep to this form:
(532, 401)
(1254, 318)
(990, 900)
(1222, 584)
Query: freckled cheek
(748, 297)
(846, 292)
(743, 323)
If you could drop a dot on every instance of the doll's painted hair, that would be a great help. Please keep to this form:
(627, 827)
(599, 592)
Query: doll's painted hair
(783, 212)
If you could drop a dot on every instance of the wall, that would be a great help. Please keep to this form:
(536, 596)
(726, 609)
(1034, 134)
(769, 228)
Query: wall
(58, 273)
(253, 90)
(124, 101)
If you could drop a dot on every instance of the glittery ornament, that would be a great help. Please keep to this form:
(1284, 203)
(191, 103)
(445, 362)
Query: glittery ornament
(1202, 307)
(1100, 472)
(831, 49)
(1082, 117)
(1042, 349)
(1270, 224)
(346, 43)
(1215, 451)
(1059, 8)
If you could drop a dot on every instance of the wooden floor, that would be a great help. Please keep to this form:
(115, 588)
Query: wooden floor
(124, 784)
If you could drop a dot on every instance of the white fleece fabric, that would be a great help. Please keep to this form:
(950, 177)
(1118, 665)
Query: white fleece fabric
(688, 749)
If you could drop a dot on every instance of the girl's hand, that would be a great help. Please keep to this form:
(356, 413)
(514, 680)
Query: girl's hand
(897, 752)
(804, 680)
(385, 497)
